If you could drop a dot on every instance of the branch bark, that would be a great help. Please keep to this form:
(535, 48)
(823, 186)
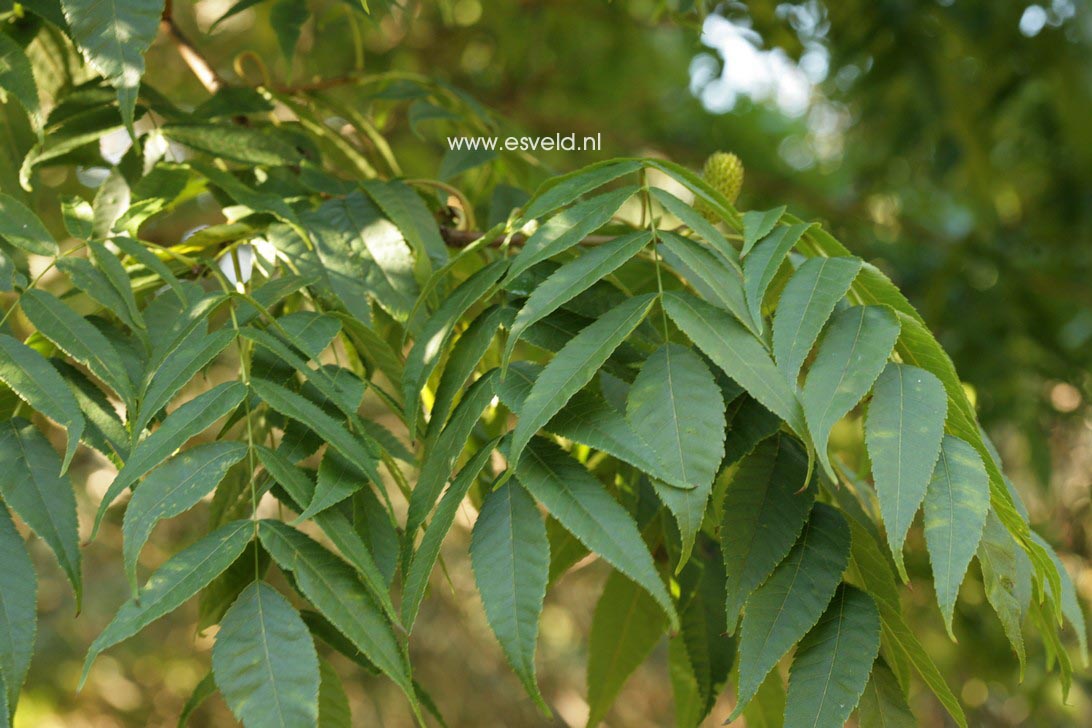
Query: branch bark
(194, 59)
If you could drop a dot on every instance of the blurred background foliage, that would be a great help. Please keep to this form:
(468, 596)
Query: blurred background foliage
(946, 141)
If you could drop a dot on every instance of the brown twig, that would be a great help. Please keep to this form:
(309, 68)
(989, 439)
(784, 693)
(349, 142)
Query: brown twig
(462, 238)
(206, 74)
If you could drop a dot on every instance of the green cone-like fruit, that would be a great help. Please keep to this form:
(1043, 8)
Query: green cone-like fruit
(724, 173)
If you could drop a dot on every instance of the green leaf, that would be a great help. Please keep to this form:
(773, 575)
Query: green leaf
(560, 191)
(77, 216)
(34, 489)
(338, 386)
(882, 704)
(444, 450)
(18, 605)
(173, 488)
(374, 348)
(676, 407)
(767, 708)
(301, 409)
(235, 9)
(917, 346)
(792, 600)
(95, 284)
(851, 356)
(1071, 605)
(567, 229)
(574, 366)
(75, 336)
(201, 692)
(332, 586)
(707, 274)
(467, 352)
(246, 195)
(1000, 556)
(702, 190)
(432, 341)
(903, 431)
(148, 259)
(287, 18)
(510, 554)
(405, 208)
(738, 353)
(119, 280)
(571, 279)
(5, 709)
(113, 37)
(757, 225)
(353, 239)
(221, 592)
(588, 419)
(104, 430)
(264, 661)
(420, 566)
(584, 507)
(110, 203)
(174, 583)
(591, 420)
(187, 421)
(626, 626)
(702, 227)
(334, 524)
(956, 506)
(760, 266)
(765, 508)
(17, 79)
(749, 423)
(22, 228)
(337, 480)
(308, 331)
(832, 663)
(176, 368)
(333, 709)
(872, 571)
(709, 651)
(805, 305)
(684, 685)
(33, 378)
